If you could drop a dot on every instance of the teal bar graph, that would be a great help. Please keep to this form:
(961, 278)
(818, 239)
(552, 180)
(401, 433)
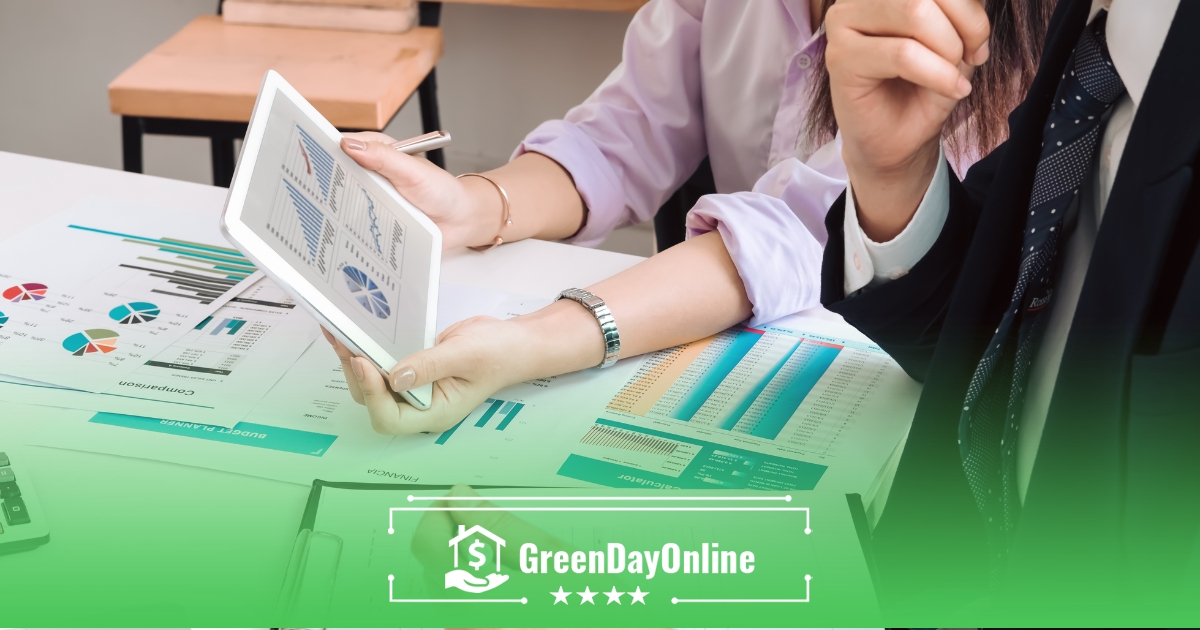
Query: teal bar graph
(448, 432)
(228, 324)
(491, 411)
(814, 359)
(512, 413)
(492, 407)
(758, 388)
(723, 364)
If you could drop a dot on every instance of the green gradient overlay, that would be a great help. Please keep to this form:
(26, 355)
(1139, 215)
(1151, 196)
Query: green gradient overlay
(213, 570)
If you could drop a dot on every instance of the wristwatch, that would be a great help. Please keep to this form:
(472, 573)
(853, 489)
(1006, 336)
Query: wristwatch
(608, 325)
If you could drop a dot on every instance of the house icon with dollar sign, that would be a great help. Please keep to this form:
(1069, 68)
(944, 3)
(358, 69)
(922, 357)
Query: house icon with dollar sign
(475, 550)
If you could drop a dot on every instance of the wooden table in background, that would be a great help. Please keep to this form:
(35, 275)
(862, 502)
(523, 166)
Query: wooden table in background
(203, 82)
(204, 79)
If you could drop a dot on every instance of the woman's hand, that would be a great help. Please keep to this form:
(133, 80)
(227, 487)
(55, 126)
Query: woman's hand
(542, 195)
(897, 69)
(472, 360)
(467, 215)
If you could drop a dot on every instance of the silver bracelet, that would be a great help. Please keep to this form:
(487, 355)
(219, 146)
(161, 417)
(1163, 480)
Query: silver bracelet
(608, 325)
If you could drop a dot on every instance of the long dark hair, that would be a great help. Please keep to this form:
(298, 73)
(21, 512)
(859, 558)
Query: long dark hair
(980, 122)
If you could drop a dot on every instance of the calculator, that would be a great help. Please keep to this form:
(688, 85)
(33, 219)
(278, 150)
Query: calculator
(22, 522)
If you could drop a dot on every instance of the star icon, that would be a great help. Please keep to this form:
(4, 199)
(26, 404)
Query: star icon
(638, 595)
(615, 596)
(587, 596)
(560, 596)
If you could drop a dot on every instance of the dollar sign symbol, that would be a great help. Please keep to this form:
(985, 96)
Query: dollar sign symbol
(474, 550)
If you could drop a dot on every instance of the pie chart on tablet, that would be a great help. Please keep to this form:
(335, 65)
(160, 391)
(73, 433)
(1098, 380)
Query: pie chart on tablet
(364, 290)
(27, 291)
(91, 341)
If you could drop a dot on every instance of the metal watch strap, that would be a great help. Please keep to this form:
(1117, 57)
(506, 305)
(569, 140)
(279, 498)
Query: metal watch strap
(604, 317)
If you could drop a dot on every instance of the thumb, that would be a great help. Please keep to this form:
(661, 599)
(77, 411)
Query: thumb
(427, 366)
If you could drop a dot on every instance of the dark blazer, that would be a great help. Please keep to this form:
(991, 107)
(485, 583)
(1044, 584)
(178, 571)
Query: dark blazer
(1113, 506)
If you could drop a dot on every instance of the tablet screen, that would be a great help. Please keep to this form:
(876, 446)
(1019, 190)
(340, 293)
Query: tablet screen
(323, 214)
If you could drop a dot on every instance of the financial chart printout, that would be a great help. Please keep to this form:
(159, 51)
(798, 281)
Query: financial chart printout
(92, 293)
(769, 408)
(779, 394)
(313, 206)
(215, 373)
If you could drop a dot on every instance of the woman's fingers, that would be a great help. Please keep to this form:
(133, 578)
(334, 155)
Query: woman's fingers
(922, 20)
(465, 370)
(971, 21)
(404, 171)
(882, 58)
(445, 411)
(377, 398)
(452, 398)
(957, 30)
(371, 136)
(399, 168)
(446, 359)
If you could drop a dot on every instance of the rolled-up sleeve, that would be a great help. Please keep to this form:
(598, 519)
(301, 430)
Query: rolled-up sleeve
(775, 233)
(640, 135)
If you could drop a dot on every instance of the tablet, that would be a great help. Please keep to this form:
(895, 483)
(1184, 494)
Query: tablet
(338, 238)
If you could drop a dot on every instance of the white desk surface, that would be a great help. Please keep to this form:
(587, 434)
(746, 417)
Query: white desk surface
(129, 490)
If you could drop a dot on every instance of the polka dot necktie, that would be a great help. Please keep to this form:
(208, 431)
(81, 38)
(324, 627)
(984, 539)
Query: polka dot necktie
(991, 413)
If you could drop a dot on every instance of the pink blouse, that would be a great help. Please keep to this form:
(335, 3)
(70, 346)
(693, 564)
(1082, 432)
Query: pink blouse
(728, 79)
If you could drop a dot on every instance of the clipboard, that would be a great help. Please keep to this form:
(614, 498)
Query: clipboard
(862, 527)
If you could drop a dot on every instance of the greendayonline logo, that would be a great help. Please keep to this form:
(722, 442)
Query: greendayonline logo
(466, 580)
(711, 568)
(708, 559)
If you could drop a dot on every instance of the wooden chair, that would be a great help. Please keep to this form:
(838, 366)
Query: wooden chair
(204, 79)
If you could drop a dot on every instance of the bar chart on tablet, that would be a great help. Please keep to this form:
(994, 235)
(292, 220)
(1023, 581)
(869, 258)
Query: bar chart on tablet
(313, 168)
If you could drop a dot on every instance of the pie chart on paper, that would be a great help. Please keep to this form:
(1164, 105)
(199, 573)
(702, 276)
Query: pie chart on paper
(3, 319)
(28, 291)
(364, 290)
(91, 341)
(134, 313)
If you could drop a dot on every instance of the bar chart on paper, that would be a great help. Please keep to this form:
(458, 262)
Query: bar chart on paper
(95, 290)
(221, 341)
(774, 384)
(494, 414)
(759, 409)
(178, 268)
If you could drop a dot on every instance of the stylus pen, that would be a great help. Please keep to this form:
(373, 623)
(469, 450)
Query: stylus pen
(423, 143)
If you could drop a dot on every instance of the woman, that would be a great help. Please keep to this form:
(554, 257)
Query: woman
(744, 83)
